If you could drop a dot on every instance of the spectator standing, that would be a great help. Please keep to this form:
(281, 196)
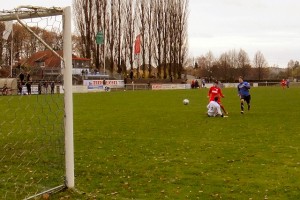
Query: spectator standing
(125, 83)
(52, 85)
(20, 88)
(203, 82)
(22, 77)
(46, 87)
(28, 77)
(193, 84)
(28, 86)
(196, 84)
(131, 75)
(40, 87)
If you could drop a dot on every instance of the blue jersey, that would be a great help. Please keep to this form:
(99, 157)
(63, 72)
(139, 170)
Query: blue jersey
(243, 89)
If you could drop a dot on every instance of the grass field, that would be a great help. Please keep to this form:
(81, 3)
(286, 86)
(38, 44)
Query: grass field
(148, 145)
(32, 144)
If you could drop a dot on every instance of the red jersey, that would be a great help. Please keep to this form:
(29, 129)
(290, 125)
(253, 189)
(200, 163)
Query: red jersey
(213, 92)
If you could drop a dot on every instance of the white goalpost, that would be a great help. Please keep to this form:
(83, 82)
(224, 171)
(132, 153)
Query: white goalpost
(37, 129)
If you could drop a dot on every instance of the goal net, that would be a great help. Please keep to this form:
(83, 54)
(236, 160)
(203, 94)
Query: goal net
(36, 131)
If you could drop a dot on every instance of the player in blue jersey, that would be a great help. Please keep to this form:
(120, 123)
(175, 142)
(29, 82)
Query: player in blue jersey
(243, 90)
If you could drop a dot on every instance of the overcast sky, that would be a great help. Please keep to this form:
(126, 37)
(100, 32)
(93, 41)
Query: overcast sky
(269, 26)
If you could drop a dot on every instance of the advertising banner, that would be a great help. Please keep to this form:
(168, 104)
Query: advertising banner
(101, 84)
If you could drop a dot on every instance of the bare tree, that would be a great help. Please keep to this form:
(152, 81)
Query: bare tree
(201, 70)
(294, 69)
(158, 28)
(142, 12)
(150, 34)
(129, 32)
(209, 58)
(165, 36)
(100, 14)
(224, 62)
(182, 35)
(233, 63)
(289, 69)
(111, 34)
(84, 21)
(119, 34)
(172, 37)
(243, 63)
(260, 64)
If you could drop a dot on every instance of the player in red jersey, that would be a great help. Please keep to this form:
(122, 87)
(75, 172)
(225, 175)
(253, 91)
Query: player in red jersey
(215, 91)
(283, 83)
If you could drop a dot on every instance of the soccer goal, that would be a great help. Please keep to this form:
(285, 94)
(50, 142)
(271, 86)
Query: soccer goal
(36, 128)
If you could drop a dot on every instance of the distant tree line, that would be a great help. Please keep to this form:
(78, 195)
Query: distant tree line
(229, 65)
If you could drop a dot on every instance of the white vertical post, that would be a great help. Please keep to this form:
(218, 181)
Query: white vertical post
(69, 141)
(12, 49)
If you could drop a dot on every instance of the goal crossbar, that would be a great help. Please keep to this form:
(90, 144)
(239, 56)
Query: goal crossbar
(34, 12)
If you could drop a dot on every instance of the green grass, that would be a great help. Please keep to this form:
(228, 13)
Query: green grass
(148, 145)
(31, 141)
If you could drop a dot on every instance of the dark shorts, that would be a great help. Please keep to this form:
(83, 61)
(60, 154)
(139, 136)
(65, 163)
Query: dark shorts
(246, 98)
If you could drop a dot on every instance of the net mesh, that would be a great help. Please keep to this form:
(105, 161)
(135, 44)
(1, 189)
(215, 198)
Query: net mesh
(32, 108)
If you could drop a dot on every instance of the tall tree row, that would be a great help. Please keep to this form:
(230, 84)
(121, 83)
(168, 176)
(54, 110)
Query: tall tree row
(161, 24)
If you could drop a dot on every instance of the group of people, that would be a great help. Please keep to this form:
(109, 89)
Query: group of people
(40, 85)
(46, 84)
(195, 84)
(215, 107)
(285, 83)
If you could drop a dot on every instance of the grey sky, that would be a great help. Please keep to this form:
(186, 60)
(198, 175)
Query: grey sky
(269, 26)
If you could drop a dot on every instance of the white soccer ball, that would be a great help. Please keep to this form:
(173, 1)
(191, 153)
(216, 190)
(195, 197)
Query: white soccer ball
(186, 101)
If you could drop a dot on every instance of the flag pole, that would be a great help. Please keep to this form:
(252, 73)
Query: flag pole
(104, 52)
(137, 51)
(9, 30)
(138, 62)
(11, 50)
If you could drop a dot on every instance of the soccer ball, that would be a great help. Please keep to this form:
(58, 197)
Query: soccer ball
(186, 101)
